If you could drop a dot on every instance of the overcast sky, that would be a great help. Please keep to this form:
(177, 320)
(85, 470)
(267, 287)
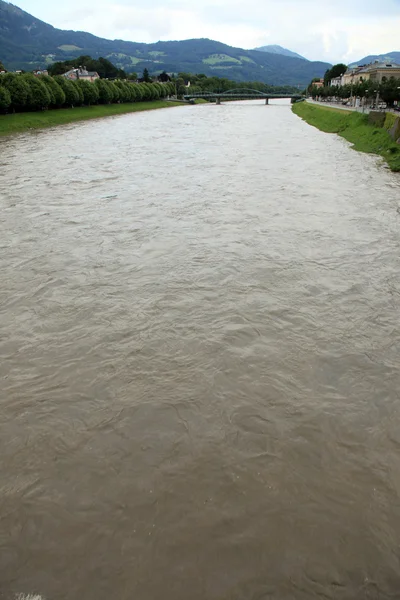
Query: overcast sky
(329, 30)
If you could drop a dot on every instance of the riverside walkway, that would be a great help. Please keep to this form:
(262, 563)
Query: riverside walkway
(340, 106)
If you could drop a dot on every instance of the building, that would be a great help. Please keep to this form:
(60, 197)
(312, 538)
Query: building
(375, 72)
(337, 81)
(318, 84)
(40, 72)
(378, 71)
(81, 73)
(352, 76)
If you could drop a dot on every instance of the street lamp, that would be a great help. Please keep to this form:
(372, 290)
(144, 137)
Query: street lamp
(377, 98)
(365, 99)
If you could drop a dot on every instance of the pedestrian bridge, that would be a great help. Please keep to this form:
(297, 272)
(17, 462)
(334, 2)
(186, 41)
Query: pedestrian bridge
(241, 94)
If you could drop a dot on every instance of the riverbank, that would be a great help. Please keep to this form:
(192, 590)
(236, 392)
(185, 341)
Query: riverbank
(355, 128)
(20, 122)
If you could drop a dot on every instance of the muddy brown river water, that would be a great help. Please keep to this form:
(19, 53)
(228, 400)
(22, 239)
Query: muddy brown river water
(199, 361)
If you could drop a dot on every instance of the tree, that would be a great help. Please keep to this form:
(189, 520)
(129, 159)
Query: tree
(153, 92)
(134, 94)
(115, 93)
(102, 66)
(181, 88)
(139, 92)
(50, 92)
(170, 87)
(39, 97)
(18, 90)
(81, 99)
(105, 94)
(105, 68)
(124, 95)
(90, 92)
(145, 91)
(146, 76)
(5, 98)
(59, 68)
(164, 77)
(335, 71)
(161, 89)
(389, 90)
(56, 92)
(71, 93)
(132, 76)
(126, 90)
(2, 67)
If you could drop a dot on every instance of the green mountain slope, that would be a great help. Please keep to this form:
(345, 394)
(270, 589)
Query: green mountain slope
(275, 49)
(28, 43)
(389, 57)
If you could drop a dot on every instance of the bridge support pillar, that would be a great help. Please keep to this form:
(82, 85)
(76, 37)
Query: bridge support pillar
(218, 101)
(266, 100)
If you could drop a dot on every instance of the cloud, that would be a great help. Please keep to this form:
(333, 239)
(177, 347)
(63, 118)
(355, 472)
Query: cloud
(330, 30)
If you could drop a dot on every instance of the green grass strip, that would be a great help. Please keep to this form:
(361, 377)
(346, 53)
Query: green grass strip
(21, 122)
(353, 127)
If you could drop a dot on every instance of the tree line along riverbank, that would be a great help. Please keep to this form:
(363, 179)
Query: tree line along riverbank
(376, 133)
(28, 93)
(31, 102)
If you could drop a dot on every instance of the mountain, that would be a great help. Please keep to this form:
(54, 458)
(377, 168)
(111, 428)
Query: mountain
(275, 49)
(28, 43)
(389, 57)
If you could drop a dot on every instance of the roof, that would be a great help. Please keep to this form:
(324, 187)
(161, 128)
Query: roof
(81, 73)
(380, 65)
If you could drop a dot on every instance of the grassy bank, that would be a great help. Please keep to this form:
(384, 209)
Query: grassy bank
(20, 122)
(354, 127)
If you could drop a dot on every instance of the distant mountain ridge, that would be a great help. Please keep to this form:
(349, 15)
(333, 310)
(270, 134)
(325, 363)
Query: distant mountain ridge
(29, 43)
(275, 49)
(389, 57)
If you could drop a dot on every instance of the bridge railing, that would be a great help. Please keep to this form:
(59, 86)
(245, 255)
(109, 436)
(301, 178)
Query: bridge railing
(240, 93)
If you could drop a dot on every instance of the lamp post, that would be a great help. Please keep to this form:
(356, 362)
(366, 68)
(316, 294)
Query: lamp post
(365, 99)
(351, 91)
(377, 98)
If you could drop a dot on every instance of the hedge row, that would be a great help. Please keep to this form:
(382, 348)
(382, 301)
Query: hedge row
(26, 92)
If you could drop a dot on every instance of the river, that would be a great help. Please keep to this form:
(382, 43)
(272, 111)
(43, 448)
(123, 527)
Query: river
(199, 361)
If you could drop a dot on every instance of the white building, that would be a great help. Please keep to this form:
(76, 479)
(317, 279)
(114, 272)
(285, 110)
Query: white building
(81, 73)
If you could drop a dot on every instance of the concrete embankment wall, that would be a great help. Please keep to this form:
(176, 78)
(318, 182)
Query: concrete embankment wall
(388, 121)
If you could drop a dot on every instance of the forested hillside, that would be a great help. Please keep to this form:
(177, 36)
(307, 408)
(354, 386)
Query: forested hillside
(28, 43)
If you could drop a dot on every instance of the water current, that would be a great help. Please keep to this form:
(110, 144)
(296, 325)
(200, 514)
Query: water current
(199, 361)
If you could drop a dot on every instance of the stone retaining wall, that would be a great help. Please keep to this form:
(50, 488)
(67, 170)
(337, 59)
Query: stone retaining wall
(389, 121)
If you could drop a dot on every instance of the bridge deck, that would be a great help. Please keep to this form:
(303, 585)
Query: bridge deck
(240, 95)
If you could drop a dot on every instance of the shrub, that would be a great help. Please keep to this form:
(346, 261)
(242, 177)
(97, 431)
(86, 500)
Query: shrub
(18, 90)
(115, 93)
(90, 92)
(70, 91)
(39, 97)
(56, 92)
(105, 94)
(81, 99)
(5, 98)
